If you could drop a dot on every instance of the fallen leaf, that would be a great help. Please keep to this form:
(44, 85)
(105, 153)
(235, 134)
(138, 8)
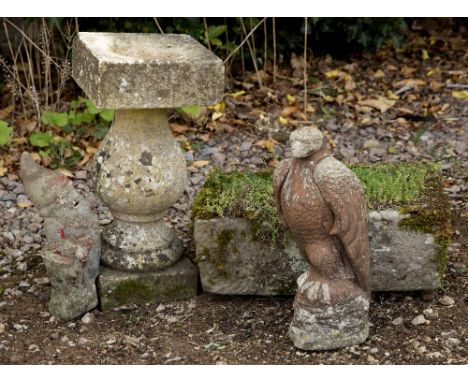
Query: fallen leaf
(24, 205)
(362, 109)
(424, 54)
(216, 115)
(20, 141)
(91, 149)
(219, 107)
(391, 95)
(350, 84)
(200, 163)
(237, 94)
(379, 74)
(407, 71)
(290, 98)
(268, 144)
(36, 157)
(65, 172)
(436, 85)
(288, 110)
(461, 94)
(85, 159)
(382, 103)
(283, 121)
(3, 171)
(4, 113)
(410, 82)
(334, 73)
(179, 129)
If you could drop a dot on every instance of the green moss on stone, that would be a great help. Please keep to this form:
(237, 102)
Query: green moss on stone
(414, 187)
(239, 194)
(216, 256)
(395, 184)
(132, 290)
(431, 214)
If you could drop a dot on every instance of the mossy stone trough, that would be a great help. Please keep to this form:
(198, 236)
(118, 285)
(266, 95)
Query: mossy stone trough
(241, 248)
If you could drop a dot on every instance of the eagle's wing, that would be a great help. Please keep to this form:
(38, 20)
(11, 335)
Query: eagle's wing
(343, 194)
(279, 177)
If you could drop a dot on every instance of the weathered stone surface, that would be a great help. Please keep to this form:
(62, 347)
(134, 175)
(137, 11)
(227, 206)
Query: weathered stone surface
(401, 260)
(139, 173)
(144, 70)
(232, 261)
(73, 245)
(330, 326)
(118, 288)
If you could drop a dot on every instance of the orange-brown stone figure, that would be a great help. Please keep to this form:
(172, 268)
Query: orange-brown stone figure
(322, 203)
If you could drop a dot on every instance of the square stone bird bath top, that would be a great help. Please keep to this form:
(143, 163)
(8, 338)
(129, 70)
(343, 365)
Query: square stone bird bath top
(146, 71)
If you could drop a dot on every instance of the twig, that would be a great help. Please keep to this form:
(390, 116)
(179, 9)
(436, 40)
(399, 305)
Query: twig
(253, 41)
(244, 40)
(30, 41)
(305, 67)
(403, 89)
(206, 33)
(260, 83)
(274, 50)
(265, 46)
(157, 25)
(456, 86)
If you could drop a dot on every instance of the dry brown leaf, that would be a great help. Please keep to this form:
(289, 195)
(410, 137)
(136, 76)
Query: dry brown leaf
(20, 141)
(24, 205)
(462, 94)
(381, 103)
(85, 159)
(3, 171)
(362, 109)
(350, 84)
(379, 74)
(268, 144)
(4, 113)
(205, 137)
(178, 129)
(65, 172)
(288, 110)
(36, 157)
(409, 82)
(25, 126)
(407, 71)
(91, 149)
(200, 163)
(392, 68)
(436, 85)
(310, 109)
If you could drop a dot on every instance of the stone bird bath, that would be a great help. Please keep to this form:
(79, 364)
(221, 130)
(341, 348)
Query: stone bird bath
(139, 170)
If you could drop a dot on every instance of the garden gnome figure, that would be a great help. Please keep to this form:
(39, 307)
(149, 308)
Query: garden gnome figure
(322, 203)
(73, 246)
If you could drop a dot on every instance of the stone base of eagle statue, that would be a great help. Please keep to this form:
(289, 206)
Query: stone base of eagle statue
(321, 202)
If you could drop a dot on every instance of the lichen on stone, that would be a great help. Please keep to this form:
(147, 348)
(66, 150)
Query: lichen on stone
(131, 289)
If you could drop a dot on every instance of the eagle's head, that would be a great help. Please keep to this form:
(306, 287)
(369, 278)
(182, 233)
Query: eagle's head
(305, 141)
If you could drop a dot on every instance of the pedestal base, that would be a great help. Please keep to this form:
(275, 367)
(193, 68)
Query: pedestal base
(140, 246)
(330, 326)
(177, 282)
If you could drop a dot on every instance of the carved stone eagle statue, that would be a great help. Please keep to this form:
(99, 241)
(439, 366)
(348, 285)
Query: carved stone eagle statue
(322, 203)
